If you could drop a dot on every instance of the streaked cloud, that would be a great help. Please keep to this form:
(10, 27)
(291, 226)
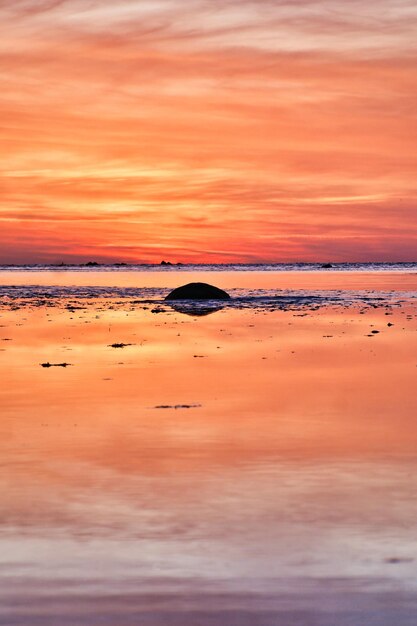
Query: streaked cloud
(255, 129)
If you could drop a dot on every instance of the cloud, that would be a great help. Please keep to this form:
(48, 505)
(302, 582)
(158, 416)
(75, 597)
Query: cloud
(241, 116)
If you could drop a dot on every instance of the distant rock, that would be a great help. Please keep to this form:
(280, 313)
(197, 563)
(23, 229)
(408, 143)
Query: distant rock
(165, 263)
(327, 266)
(91, 264)
(198, 291)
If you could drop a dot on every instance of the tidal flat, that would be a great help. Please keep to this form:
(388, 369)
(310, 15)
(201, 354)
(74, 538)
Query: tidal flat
(246, 464)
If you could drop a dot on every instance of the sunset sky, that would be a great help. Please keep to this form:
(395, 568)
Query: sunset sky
(208, 130)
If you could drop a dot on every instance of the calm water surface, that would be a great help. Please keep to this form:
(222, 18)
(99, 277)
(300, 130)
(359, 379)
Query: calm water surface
(382, 280)
(280, 491)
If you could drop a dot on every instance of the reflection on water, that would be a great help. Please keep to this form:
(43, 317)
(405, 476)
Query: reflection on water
(284, 495)
(384, 281)
(189, 308)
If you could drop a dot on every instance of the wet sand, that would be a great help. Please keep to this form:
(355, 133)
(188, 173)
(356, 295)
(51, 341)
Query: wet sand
(252, 466)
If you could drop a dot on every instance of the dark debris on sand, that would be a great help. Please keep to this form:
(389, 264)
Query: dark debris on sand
(47, 364)
(177, 406)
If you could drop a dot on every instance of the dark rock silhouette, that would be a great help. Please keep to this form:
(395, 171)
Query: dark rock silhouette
(198, 291)
(165, 263)
(327, 266)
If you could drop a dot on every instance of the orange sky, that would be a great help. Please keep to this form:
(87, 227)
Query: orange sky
(208, 130)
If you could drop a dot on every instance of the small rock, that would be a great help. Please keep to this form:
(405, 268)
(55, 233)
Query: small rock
(198, 291)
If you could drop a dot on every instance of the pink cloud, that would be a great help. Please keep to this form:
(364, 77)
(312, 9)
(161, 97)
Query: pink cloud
(207, 133)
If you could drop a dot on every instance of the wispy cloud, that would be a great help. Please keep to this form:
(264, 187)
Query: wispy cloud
(200, 129)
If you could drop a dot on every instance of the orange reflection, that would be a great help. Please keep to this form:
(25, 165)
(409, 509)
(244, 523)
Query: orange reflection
(380, 280)
(301, 428)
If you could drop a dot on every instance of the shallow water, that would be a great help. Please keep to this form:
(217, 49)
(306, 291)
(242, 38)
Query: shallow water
(256, 279)
(282, 496)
